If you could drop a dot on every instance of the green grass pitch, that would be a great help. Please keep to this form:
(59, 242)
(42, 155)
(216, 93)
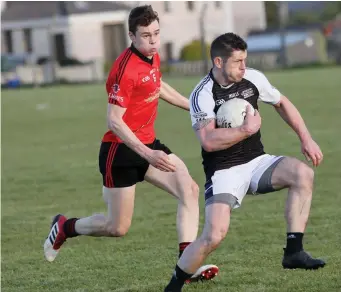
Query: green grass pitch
(50, 142)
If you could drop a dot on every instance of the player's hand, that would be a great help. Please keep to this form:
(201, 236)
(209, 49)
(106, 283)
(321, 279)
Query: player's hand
(312, 151)
(161, 161)
(252, 122)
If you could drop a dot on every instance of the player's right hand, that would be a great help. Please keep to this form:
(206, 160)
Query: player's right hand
(161, 161)
(252, 122)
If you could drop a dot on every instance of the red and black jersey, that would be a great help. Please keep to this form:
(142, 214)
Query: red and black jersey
(134, 83)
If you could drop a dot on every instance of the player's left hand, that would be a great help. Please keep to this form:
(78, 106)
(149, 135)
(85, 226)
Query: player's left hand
(312, 151)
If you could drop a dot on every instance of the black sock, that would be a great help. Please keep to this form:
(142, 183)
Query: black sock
(178, 280)
(69, 228)
(182, 247)
(294, 242)
(174, 285)
(181, 275)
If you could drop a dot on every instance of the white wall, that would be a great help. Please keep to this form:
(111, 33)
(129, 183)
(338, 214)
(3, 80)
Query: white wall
(86, 34)
(41, 30)
(180, 25)
(248, 15)
(40, 42)
(2, 5)
(18, 42)
(83, 34)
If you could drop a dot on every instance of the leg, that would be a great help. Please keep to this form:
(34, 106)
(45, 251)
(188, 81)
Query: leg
(119, 181)
(224, 193)
(216, 226)
(119, 194)
(217, 221)
(298, 178)
(181, 185)
(120, 202)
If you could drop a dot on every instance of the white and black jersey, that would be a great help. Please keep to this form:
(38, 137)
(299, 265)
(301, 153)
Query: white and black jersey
(205, 101)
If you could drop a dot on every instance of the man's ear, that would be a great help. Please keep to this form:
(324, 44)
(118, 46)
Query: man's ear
(131, 36)
(218, 62)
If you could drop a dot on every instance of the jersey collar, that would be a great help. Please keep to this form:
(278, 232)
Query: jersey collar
(140, 55)
(216, 82)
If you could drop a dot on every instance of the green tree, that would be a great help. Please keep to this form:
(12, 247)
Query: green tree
(329, 12)
(301, 18)
(271, 13)
(193, 52)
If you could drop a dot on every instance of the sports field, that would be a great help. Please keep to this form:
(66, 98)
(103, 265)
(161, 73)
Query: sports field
(50, 142)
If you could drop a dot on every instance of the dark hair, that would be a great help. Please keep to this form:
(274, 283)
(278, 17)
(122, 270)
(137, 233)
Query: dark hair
(225, 44)
(141, 16)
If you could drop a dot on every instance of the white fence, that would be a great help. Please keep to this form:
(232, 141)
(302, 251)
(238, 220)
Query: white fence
(48, 73)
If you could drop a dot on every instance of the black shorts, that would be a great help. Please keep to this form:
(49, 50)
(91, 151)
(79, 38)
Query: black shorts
(122, 167)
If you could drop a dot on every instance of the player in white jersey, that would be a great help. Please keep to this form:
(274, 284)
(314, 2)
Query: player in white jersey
(235, 163)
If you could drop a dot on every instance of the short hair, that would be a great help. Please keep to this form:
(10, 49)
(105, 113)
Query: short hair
(141, 16)
(225, 44)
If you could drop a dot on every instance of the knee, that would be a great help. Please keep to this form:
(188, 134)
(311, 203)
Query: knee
(189, 193)
(110, 228)
(304, 175)
(117, 230)
(195, 190)
(213, 239)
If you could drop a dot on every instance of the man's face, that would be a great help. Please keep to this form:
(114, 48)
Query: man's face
(147, 38)
(234, 67)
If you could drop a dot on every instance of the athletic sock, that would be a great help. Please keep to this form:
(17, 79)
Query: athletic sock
(178, 280)
(294, 242)
(182, 247)
(69, 228)
(174, 285)
(181, 275)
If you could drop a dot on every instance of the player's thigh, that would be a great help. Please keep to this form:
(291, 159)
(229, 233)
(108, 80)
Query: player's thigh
(228, 186)
(292, 172)
(277, 172)
(120, 176)
(120, 204)
(261, 181)
(178, 183)
(175, 183)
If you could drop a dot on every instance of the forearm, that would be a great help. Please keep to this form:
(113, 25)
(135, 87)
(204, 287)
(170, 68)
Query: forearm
(293, 118)
(221, 138)
(120, 128)
(170, 95)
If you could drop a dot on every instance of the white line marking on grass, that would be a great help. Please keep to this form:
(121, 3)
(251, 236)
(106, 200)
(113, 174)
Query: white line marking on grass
(42, 106)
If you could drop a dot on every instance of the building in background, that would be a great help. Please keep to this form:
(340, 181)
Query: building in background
(98, 30)
(180, 21)
(61, 30)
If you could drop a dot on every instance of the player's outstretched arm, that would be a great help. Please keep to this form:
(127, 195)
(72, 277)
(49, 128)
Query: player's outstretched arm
(159, 159)
(170, 95)
(292, 117)
(215, 139)
(289, 113)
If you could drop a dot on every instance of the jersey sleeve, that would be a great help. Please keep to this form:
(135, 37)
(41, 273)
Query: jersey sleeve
(267, 92)
(120, 89)
(201, 104)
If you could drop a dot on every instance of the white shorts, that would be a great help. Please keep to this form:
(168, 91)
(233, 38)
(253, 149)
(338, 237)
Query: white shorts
(249, 178)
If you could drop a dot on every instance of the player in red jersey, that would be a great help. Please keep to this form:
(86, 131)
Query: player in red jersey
(130, 152)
